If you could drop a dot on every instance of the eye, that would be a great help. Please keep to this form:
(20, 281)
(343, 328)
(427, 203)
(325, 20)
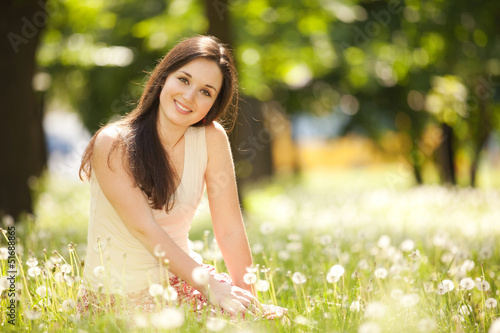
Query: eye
(206, 93)
(184, 80)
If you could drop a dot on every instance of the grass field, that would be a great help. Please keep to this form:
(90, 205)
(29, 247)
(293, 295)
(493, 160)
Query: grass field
(349, 252)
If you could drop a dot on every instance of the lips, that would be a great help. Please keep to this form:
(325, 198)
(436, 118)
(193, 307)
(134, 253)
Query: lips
(181, 108)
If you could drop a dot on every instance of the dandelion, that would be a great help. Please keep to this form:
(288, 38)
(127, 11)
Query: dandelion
(140, 320)
(428, 287)
(337, 270)
(252, 269)
(407, 245)
(483, 285)
(34, 271)
(215, 324)
(32, 262)
(355, 306)
(33, 314)
(4, 284)
(468, 265)
(374, 310)
(66, 269)
(426, 325)
(491, 303)
(410, 300)
(325, 240)
(197, 245)
(58, 276)
(486, 252)
(369, 328)
(467, 283)
(266, 228)
(331, 277)
(465, 310)
(381, 273)
(250, 278)
(396, 294)
(68, 305)
(257, 248)
(169, 318)
(384, 241)
(301, 320)
(294, 247)
(201, 275)
(262, 286)
(99, 272)
(448, 285)
(170, 294)
(495, 326)
(4, 253)
(155, 289)
(284, 255)
(415, 255)
(49, 265)
(299, 278)
(41, 291)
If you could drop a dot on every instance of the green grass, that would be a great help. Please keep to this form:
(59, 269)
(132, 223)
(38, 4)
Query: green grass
(362, 220)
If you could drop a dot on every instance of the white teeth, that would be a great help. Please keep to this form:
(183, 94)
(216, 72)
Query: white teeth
(181, 107)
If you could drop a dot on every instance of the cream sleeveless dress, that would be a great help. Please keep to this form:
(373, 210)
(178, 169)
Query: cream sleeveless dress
(116, 262)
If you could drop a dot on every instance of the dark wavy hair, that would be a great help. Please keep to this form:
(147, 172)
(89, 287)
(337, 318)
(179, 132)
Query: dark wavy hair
(148, 160)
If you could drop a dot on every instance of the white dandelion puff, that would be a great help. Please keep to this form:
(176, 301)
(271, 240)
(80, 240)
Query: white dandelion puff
(4, 253)
(396, 294)
(170, 294)
(483, 285)
(262, 286)
(283, 255)
(155, 289)
(491, 303)
(140, 320)
(337, 270)
(266, 228)
(294, 247)
(257, 248)
(468, 265)
(68, 305)
(34, 271)
(426, 325)
(381, 273)
(250, 278)
(410, 300)
(32, 262)
(169, 318)
(495, 326)
(159, 252)
(99, 272)
(467, 283)
(201, 275)
(215, 324)
(299, 278)
(375, 310)
(407, 245)
(41, 291)
(355, 306)
(331, 277)
(33, 314)
(66, 269)
(384, 241)
(415, 255)
(448, 285)
(465, 310)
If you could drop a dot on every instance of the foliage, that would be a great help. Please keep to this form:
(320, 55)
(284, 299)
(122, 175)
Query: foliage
(356, 259)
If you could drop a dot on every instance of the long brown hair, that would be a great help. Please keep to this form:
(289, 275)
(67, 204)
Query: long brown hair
(144, 152)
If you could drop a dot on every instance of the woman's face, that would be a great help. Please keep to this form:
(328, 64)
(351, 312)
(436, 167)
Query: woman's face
(189, 92)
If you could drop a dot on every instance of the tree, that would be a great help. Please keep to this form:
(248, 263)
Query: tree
(23, 144)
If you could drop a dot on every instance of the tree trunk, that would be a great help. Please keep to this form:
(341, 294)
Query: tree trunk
(23, 145)
(250, 140)
(447, 155)
(484, 132)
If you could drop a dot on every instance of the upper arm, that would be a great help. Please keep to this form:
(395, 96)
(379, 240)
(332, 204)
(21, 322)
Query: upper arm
(118, 185)
(221, 182)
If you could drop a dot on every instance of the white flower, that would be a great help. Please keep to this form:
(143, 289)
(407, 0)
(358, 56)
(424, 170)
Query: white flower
(483, 286)
(495, 326)
(468, 265)
(369, 328)
(155, 289)
(374, 310)
(4, 253)
(58, 276)
(68, 305)
(257, 248)
(66, 269)
(215, 324)
(491, 303)
(284, 255)
(32, 262)
(465, 310)
(486, 252)
(201, 275)
(262, 286)
(169, 318)
(410, 300)
(331, 277)
(299, 278)
(448, 285)
(41, 291)
(294, 247)
(266, 228)
(49, 265)
(467, 283)
(250, 278)
(415, 255)
(384, 241)
(99, 272)
(396, 294)
(159, 252)
(381, 273)
(170, 294)
(32, 314)
(337, 270)
(355, 306)
(34, 271)
(407, 245)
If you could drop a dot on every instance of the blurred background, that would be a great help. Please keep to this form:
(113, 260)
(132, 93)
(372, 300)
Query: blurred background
(405, 91)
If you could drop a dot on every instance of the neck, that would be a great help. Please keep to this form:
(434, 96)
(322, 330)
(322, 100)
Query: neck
(169, 134)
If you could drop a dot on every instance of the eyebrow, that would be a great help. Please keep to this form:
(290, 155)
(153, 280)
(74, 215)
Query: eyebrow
(206, 85)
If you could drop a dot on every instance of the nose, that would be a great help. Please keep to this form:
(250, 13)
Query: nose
(188, 94)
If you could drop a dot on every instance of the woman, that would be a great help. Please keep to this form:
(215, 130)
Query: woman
(147, 174)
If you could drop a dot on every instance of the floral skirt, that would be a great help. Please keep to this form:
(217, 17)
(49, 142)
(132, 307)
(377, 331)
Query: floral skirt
(93, 302)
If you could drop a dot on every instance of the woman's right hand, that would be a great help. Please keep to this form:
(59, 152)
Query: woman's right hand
(231, 299)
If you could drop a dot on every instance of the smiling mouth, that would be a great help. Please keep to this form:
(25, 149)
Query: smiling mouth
(182, 108)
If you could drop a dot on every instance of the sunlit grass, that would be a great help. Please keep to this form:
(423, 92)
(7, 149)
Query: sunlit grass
(347, 252)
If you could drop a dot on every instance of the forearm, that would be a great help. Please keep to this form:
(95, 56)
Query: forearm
(237, 256)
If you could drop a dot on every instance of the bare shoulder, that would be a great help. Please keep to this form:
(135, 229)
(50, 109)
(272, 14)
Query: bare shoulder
(215, 133)
(105, 142)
